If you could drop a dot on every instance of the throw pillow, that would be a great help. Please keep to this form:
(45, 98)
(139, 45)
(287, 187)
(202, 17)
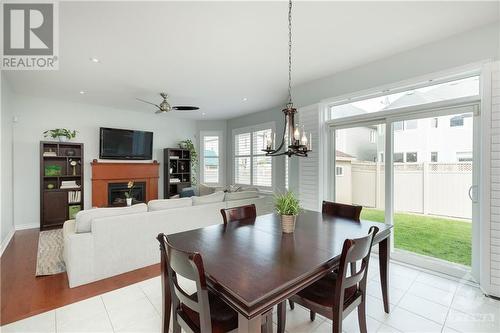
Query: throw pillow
(241, 195)
(206, 199)
(206, 190)
(84, 218)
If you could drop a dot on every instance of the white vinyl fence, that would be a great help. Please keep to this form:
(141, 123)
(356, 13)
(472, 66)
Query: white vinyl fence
(425, 188)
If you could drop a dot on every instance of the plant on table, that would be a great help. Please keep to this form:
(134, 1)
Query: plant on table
(288, 206)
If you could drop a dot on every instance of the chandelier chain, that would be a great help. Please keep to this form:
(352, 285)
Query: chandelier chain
(290, 52)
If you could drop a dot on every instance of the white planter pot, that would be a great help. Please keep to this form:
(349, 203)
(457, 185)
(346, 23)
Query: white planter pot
(129, 201)
(62, 138)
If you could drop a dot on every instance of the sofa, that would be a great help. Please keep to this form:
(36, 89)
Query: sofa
(100, 243)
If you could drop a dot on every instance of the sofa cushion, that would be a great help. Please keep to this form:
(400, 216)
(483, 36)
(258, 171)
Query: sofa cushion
(162, 204)
(230, 196)
(206, 190)
(84, 217)
(206, 199)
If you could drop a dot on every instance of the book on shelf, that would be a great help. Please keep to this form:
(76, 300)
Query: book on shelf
(175, 180)
(69, 184)
(74, 196)
(174, 157)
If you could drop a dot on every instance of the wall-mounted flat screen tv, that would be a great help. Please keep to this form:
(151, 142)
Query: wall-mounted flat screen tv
(121, 144)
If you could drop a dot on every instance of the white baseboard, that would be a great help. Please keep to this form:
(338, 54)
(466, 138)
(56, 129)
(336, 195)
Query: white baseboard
(6, 241)
(27, 226)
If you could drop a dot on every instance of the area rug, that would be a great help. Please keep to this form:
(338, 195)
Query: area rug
(49, 259)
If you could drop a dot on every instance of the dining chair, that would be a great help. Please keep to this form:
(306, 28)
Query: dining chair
(238, 213)
(351, 212)
(341, 291)
(202, 311)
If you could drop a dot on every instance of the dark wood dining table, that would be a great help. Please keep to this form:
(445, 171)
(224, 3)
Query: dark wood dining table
(253, 266)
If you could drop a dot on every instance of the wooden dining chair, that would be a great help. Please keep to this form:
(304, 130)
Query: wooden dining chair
(351, 212)
(202, 311)
(238, 213)
(339, 293)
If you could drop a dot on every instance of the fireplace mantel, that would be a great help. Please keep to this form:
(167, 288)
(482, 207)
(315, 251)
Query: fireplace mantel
(106, 173)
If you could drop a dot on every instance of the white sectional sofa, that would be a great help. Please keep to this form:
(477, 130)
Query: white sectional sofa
(111, 245)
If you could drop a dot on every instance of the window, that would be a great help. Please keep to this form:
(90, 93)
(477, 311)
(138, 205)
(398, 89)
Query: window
(339, 171)
(464, 156)
(411, 157)
(434, 156)
(251, 166)
(373, 136)
(434, 122)
(398, 126)
(411, 124)
(211, 164)
(457, 121)
(398, 157)
(381, 158)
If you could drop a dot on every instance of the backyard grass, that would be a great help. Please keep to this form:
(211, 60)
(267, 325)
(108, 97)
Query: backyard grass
(428, 235)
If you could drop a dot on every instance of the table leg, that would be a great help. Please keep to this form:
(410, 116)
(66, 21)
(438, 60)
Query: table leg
(383, 257)
(282, 317)
(249, 325)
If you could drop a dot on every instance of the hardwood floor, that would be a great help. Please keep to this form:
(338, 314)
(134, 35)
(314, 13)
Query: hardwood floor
(24, 295)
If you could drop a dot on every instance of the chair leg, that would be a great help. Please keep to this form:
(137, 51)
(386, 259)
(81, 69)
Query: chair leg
(281, 317)
(267, 322)
(362, 317)
(337, 326)
(312, 315)
(176, 328)
(292, 305)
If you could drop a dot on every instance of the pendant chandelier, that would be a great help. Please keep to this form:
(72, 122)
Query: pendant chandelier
(297, 143)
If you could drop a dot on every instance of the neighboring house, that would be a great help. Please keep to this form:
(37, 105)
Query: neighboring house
(343, 177)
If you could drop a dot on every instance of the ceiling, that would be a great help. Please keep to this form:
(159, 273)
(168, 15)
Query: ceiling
(216, 54)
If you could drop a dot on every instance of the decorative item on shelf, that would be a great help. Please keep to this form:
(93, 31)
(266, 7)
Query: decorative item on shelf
(171, 170)
(128, 194)
(73, 164)
(194, 160)
(62, 134)
(183, 145)
(52, 170)
(182, 167)
(50, 186)
(72, 210)
(288, 206)
(70, 152)
(297, 143)
(49, 153)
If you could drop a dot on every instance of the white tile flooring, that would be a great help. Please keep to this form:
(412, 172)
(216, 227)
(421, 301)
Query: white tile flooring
(421, 302)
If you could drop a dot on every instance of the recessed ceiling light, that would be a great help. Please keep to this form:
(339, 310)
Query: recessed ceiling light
(245, 99)
(95, 60)
(203, 113)
(82, 92)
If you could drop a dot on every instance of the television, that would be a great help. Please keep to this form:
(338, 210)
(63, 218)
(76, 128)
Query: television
(121, 144)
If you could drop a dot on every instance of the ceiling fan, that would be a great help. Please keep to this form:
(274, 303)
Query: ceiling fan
(165, 107)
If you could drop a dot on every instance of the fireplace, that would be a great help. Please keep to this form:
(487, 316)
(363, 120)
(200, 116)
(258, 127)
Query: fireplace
(116, 193)
(109, 182)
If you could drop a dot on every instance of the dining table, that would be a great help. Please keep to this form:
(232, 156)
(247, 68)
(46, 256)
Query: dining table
(253, 266)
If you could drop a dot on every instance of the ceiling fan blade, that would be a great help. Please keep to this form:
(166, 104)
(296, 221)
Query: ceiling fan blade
(185, 108)
(141, 100)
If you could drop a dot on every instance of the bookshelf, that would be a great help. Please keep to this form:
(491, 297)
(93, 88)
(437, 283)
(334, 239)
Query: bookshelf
(61, 182)
(176, 171)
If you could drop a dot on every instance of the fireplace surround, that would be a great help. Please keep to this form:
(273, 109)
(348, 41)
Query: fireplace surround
(104, 175)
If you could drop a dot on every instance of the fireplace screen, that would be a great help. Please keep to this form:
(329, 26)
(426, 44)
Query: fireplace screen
(116, 193)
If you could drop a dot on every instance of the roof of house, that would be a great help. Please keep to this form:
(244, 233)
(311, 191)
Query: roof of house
(341, 154)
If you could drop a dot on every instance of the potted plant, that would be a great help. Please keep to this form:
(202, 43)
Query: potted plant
(287, 205)
(62, 134)
(128, 194)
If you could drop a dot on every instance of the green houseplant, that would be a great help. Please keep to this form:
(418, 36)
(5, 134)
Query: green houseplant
(62, 134)
(288, 206)
(188, 144)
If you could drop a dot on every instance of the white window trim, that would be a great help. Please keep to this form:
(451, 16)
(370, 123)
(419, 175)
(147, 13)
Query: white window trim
(250, 129)
(222, 161)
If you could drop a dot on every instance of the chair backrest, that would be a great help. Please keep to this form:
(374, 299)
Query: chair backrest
(354, 250)
(342, 210)
(190, 266)
(238, 213)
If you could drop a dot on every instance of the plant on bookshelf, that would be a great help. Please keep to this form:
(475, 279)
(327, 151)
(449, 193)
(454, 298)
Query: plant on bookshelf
(188, 144)
(62, 134)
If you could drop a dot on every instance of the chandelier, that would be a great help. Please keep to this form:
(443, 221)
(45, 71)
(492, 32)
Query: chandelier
(296, 140)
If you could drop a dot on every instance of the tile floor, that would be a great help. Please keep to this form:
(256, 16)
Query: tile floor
(421, 302)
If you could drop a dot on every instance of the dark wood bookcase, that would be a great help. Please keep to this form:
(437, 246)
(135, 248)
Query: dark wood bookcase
(55, 168)
(176, 165)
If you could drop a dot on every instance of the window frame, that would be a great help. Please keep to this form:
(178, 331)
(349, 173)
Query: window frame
(221, 156)
(252, 130)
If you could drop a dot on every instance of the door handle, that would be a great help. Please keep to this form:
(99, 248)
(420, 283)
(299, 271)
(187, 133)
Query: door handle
(470, 193)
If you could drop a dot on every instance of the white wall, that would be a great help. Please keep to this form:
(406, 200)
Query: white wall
(7, 222)
(36, 115)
